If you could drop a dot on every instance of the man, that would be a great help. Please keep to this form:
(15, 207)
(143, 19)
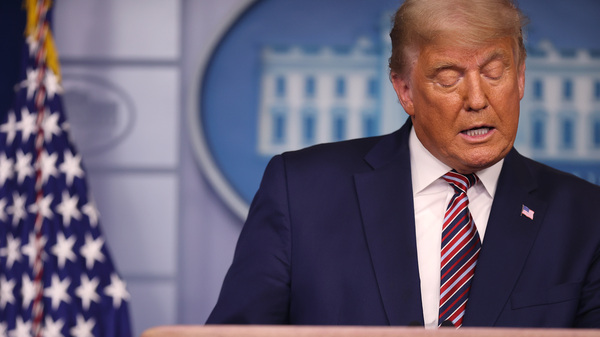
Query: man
(361, 232)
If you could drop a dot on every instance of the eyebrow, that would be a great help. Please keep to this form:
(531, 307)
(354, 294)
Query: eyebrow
(442, 65)
(498, 54)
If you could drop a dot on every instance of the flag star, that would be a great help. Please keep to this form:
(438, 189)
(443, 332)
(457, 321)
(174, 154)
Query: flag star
(6, 168)
(17, 209)
(48, 166)
(23, 166)
(10, 127)
(3, 216)
(22, 329)
(3, 327)
(58, 291)
(30, 249)
(31, 82)
(52, 83)
(83, 328)
(117, 289)
(52, 328)
(68, 208)
(43, 207)
(91, 211)
(33, 44)
(6, 291)
(28, 290)
(27, 125)
(71, 167)
(92, 250)
(63, 249)
(50, 125)
(12, 251)
(87, 291)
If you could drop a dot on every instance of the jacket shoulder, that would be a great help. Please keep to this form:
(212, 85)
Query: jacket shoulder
(347, 154)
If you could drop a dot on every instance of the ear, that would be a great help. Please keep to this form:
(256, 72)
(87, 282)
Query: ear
(403, 90)
(521, 80)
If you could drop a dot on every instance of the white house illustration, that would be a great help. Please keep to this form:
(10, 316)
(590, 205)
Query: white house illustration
(320, 94)
(560, 113)
(315, 94)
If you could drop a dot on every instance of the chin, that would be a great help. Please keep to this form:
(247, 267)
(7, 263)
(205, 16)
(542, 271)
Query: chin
(479, 160)
(478, 165)
(474, 164)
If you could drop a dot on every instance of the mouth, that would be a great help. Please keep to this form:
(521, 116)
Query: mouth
(478, 131)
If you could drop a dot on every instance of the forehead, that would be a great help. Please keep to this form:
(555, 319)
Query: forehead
(451, 54)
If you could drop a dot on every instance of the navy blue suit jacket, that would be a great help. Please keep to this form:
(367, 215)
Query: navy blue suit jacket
(330, 239)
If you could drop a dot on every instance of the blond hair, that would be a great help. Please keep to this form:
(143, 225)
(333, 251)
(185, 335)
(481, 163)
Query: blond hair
(418, 23)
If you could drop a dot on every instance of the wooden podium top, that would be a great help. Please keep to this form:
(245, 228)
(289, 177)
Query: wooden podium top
(355, 331)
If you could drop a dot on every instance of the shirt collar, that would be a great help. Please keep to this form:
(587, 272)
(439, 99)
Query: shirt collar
(426, 169)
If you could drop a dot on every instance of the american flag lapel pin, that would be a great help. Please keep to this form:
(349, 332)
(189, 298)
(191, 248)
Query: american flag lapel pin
(527, 212)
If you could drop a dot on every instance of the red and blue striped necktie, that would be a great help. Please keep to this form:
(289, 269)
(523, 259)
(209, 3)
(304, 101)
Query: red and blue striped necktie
(460, 249)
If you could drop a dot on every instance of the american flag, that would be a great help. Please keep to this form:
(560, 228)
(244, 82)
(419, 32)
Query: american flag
(56, 275)
(527, 212)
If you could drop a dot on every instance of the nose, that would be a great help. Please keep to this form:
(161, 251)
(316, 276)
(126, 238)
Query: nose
(475, 97)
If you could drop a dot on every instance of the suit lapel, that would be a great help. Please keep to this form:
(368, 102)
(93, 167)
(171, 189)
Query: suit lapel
(508, 240)
(386, 204)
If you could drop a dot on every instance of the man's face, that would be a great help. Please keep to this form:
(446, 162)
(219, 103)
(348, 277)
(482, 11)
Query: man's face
(464, 102)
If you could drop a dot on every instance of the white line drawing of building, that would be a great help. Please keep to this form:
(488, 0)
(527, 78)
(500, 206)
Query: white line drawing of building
(312, 95)
(560, 113)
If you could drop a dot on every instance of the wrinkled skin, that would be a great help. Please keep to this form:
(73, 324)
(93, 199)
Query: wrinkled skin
(464, 102)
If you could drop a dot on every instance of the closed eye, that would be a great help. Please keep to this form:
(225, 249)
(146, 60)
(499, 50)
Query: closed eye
(447, 77)
(494, 69)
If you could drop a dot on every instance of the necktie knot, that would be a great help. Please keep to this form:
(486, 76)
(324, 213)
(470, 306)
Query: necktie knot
(460, 182)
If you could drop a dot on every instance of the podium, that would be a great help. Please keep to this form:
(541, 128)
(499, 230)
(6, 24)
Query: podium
(355, 331)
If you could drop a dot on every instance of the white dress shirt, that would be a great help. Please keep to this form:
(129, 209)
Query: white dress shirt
(431, 195)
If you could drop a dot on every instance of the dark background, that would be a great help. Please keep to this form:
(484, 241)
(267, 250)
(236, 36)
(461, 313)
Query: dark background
(12, 28)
